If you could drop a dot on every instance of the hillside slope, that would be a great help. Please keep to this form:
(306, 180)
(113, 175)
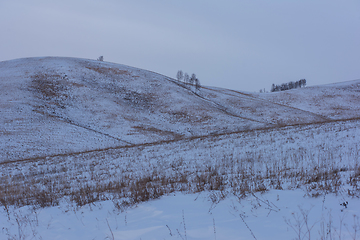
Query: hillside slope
(334, 101)
(86, 143)
(58, 105)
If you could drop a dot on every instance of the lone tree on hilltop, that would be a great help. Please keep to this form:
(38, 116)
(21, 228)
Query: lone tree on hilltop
(101, 58)
(179, 75)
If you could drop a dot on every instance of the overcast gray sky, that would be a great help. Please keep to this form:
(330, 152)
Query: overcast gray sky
(238, 44)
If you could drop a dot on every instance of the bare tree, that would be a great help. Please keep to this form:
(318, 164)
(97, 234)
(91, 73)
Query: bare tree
(186, 78)
(179, 75)
(193, 78)
(289, 85)
(302, 82)
(197, 84)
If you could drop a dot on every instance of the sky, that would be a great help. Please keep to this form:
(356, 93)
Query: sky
(238, 44)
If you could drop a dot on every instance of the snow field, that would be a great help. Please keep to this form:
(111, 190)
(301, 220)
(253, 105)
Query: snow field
(286, 214)
(254, 161)
(94, 150)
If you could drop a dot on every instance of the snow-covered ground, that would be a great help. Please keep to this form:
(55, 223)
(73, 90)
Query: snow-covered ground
(96, 150)
(335, 101)
(273, 215)
(45, 99)
(56, 106)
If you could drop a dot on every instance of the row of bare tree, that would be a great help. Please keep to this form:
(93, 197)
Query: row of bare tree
(193, 80)
(289, 85)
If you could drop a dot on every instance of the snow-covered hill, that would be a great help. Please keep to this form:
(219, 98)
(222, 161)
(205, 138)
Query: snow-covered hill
(335, 101)
(55, 106)
(76, 133)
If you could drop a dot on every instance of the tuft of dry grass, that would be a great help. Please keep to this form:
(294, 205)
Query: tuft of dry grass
(108, 70)
(153, 184)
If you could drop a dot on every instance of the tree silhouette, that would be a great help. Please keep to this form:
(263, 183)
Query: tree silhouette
(179, 75)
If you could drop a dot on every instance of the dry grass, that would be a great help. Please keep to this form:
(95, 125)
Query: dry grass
(107, 70)
(153, 130)
(49, 86)
(83, 184)
(185, 116)
(354, 181)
